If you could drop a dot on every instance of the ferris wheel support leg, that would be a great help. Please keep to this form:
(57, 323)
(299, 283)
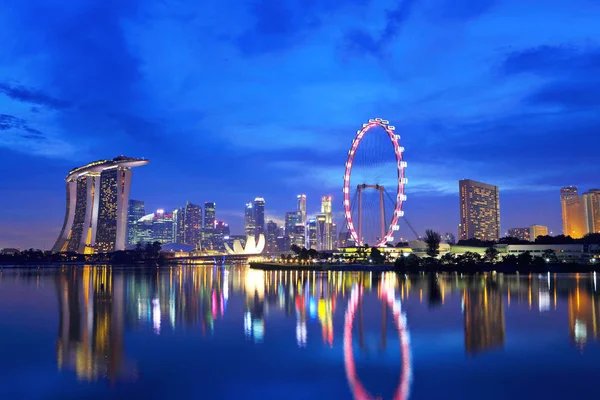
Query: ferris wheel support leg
(382, 213)
(359, 217)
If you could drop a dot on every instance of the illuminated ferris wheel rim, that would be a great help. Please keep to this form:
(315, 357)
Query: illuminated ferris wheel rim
(401, 165)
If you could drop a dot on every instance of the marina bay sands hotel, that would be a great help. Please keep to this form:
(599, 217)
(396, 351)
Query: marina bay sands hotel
(97, 201)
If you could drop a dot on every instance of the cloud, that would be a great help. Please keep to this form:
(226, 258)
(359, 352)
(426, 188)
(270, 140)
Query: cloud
(10, 122)
(27, 95)
(553, 61)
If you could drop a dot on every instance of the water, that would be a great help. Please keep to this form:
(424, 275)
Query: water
(236, 333)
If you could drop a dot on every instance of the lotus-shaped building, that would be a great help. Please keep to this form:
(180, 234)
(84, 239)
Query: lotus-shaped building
(252, 246)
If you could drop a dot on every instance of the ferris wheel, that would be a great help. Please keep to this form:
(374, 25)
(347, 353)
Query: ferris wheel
(374, 184)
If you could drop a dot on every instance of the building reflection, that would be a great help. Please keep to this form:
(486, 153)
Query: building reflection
(91, 324)
(584, 315)
(483, 319)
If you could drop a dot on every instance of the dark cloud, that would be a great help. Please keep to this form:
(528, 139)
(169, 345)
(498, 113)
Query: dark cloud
(361, 42)
(10, 122)
(568, 94)
(279, 25)
(27, 95)
(553, 60)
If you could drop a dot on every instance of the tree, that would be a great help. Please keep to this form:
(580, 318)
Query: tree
(296, 249)
(524, 258)
(510, 259)
(413, 261)
(550, 256)
(432, 239)
(469, 258)
(376, 256)
(448, 259)
(491, 254)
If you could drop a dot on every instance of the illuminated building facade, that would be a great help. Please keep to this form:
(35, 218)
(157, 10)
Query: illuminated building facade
(537, 230)
(249, 223)
(271, 236)
(222, 231)
(192, 229)
(162, 227)
(292, 218)
(210, 212)
(566, 193)
(301, 208)
(259, 216)
(322, 233)
(179, 225)
(325, 234)
(574, 214)
(591, 200)
(479, 211)
(520, 233)
(311, 233)
(135, 211)
(97, 206)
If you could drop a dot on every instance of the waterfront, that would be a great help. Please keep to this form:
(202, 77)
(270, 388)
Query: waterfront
(233, 332)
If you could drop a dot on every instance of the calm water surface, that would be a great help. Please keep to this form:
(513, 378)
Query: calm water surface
(236, 333)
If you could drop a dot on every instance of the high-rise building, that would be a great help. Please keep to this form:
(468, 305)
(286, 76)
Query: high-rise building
(519, 233)
(311, 233)
(192, 230)
(162, 227)
(537, 230)
(567, 193)
(259, 216)
(345, 240)
(249, 223)
(574, 213)
(292, 218)
(97, 205)
(135, 211)
(322, 233)
(301, 208)
(479, 211)
(210, 211)
(221, 232)
(271, 236)
(591, 200)
(326, 236)
(143, 231)
(179, 225)
(334, 236)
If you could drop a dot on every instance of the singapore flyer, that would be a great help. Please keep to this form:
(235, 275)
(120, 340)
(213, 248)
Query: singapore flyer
(374, 184)
(358, 390)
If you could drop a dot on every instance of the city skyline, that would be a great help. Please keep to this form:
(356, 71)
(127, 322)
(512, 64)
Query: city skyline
(495, 105)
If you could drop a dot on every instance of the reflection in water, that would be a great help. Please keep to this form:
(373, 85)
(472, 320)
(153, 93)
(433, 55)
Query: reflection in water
(98, 306)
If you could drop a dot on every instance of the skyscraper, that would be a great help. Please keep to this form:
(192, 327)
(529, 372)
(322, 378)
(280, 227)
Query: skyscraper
(97, 205)
(259, 216)
(591, 199)
(179, 225)
(210, 211)
(566, 193)
(221, 232)
(311, 233)
(135, 211)
(574, 217)
(326, 210)
(292, 218)
(479, 211)
(322, 233)
(162, 227)
(301, 208)
(192, 231)
(249, 223)
(271, 237)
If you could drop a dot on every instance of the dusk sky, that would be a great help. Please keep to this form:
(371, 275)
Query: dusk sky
(233, 99)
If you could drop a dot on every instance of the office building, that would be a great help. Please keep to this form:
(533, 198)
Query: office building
(591, 200)
(567, 193)
(322, 232)
(192, 231)
(179, 225)
(259, 216)
(292, 218)
(221, 232)
(210, 211)
(135, 211)
(574, 214)
(249, 223)
(271, 236)
(334, 235)
(162, 227)
(97, 205)
(479, 211)
(325, 229)
(537, 230)
(301, 208)
(520, 233)
(311, 233)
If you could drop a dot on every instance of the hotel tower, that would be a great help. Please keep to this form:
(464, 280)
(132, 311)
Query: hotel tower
(97, 203)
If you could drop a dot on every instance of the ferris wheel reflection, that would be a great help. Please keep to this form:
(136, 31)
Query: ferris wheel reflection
(389, 299)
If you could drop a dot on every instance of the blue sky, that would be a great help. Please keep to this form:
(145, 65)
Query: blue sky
(236, 99)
